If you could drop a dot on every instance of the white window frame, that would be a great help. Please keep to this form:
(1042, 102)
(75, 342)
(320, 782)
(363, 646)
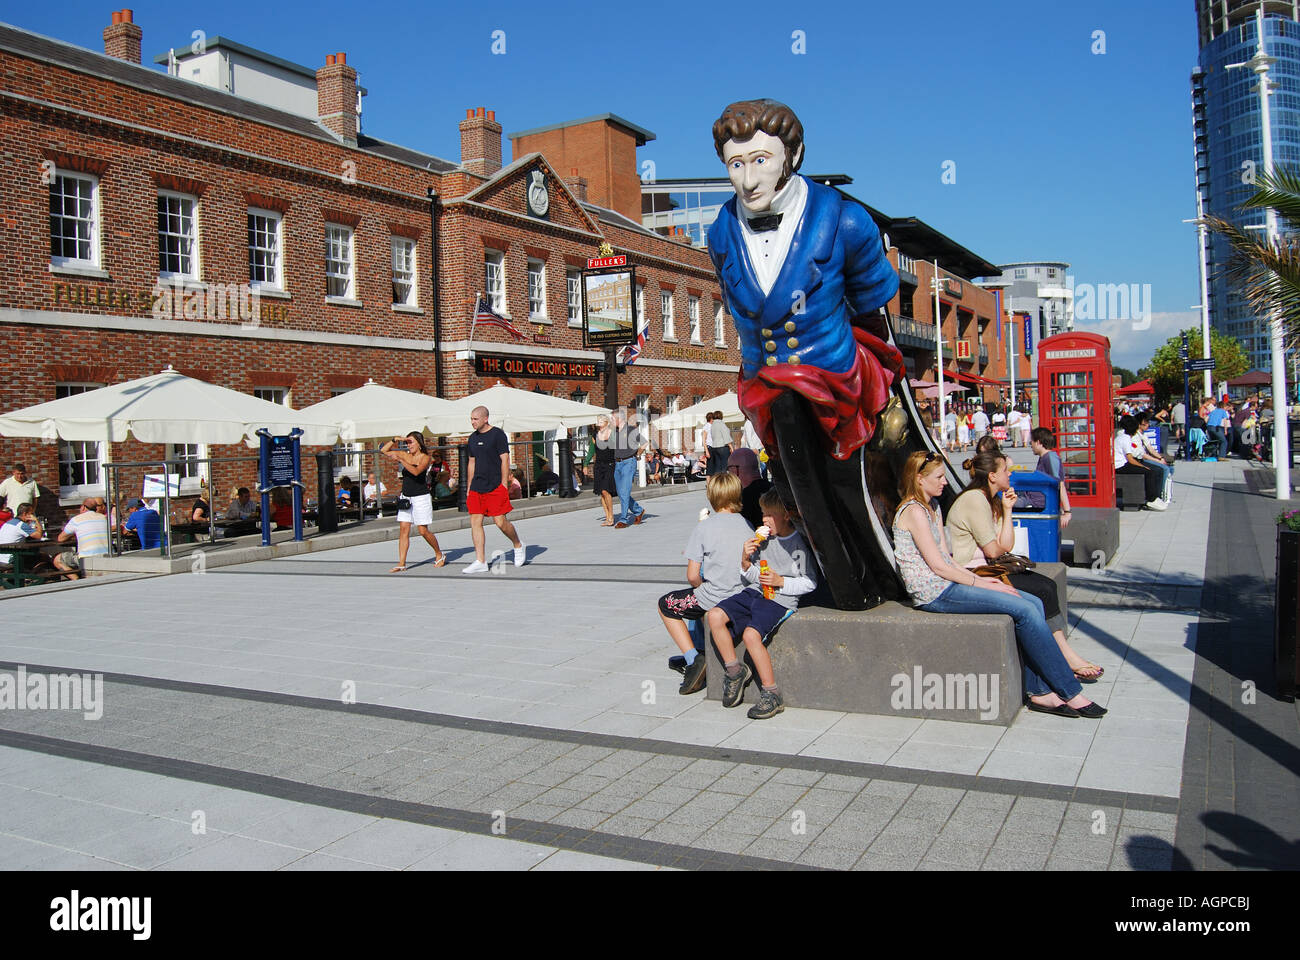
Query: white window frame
(537, 291)
(666, 310)
(94, 222)
(640, 310)
(262, 394)
(182, 451)
(693, 312)
(277, 282)
(674, 442)
(495, 294)
(642, 406)
(340, 239)
(193, 237)
(405, 255)
(80, 490)
(573, 296)
(719, 324)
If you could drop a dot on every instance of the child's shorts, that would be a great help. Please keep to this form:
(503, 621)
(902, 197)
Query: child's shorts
(750, 608)
(681, 605)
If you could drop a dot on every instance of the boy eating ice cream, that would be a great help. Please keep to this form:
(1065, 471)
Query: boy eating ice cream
(781, 550)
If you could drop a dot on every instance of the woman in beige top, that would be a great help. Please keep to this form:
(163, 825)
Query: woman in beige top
(981, 530)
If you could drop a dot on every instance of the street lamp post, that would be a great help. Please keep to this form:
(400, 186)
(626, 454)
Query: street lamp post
(1259, 63)
(1202, 232)
(935, 284)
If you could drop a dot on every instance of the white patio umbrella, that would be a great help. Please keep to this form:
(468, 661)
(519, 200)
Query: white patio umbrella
(378, 411)
(167, 407)
(515, 411)
(693, 416)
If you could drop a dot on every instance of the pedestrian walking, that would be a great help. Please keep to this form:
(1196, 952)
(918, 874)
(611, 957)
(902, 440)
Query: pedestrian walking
(629, 444)
(489, 465)
(415, 505)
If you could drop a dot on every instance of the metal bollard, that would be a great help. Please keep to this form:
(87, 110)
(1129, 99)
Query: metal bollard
(462, 491)
(327, 516)
(564, 468)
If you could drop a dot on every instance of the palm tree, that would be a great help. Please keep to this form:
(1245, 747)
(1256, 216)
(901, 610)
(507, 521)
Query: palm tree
(1268, 276)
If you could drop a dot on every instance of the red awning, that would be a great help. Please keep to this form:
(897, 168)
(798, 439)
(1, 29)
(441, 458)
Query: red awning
(1142, 388)
(970, 378)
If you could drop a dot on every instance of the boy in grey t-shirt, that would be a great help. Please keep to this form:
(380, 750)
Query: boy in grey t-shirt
(790, 574)
(711, 569)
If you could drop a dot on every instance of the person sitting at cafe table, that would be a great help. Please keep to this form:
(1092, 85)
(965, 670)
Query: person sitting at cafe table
(145, 523)
(346, 495)
(442, 486)
(90, 530)
(547, 478)
(202, 508)
(242, 507)
(282, 508)
(372, 491)
(23, 526)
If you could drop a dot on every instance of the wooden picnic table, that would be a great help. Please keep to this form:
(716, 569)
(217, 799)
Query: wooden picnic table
(26, 556)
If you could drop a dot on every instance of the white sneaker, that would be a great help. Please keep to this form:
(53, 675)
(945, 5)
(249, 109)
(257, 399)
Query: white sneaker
(521, 555)
(1157, 505)
(478, 566)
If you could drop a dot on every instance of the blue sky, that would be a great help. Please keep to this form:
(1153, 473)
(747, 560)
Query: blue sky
(1060, 153)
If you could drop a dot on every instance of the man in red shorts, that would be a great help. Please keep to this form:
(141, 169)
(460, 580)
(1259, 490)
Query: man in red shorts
(489, 464)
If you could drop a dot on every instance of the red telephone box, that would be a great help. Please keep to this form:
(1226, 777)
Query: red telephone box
(1074, 394)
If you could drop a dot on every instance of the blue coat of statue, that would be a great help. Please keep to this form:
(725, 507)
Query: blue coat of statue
(805, 277)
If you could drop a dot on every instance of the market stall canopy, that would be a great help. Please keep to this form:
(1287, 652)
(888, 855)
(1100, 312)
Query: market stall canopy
(515, 411)
(1256, 378)
(1143, 388)
(167, 407)
(374, 410)
(932, 389)
(693, 416)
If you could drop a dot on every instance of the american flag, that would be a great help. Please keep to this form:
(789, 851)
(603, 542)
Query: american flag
(633, 350)
(484, 313)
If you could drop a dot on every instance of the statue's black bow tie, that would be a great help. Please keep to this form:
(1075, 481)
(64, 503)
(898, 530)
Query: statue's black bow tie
(768, 221)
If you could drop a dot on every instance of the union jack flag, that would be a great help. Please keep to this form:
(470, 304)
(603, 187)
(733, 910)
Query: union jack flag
(484, 313)
(632, 351)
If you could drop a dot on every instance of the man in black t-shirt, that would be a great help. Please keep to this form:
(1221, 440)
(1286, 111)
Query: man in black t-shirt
(489, 463)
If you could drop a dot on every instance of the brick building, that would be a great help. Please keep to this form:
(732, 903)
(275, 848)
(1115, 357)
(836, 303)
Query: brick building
(152, 219)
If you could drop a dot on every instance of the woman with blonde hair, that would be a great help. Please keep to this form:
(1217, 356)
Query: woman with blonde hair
(939, 585)
(603, 485)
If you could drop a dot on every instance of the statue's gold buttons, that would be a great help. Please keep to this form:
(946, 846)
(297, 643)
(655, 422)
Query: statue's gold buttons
(770, 346)
(792, 343)
(766, 332)
(794, 360)
(789, 326)
(771, 361)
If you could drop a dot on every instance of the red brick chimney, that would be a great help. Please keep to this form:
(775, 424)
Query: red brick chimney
(336, 97)
(577, 184)
(122, 37)
(480, 142)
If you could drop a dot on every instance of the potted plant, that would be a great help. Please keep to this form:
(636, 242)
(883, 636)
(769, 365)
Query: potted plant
(1286, 603)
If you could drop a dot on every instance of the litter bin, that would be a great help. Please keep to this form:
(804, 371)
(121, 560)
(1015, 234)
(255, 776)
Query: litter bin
(1043, 523)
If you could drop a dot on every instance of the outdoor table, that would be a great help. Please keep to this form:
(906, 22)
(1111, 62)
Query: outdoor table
(26, 554)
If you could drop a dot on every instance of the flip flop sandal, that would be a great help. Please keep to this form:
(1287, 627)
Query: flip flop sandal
(400, 568)
(441, 561)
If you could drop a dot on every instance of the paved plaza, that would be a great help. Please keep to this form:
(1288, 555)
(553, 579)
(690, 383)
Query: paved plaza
(316, 712)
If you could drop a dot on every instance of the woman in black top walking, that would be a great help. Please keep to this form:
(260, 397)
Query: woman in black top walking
(415, 505)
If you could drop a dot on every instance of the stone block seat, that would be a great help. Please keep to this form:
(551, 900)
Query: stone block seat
(897, 661)
(1130, 491)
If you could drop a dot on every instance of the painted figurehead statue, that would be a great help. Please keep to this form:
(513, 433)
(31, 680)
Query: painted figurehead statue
(805, 277)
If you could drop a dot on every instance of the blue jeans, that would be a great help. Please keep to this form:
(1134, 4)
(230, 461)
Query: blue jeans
(624, 473)
(1045, 666)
